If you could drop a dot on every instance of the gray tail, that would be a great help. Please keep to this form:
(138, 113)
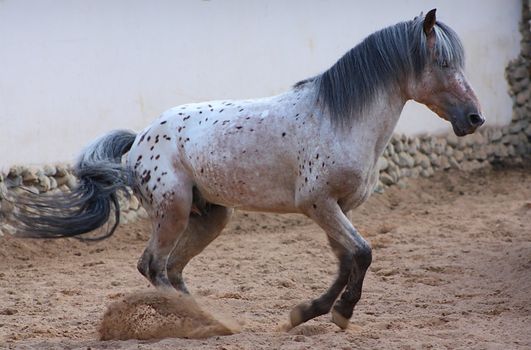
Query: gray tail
(88, 206)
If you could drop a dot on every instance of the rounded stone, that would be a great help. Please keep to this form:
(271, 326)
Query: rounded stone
(415, 172)
(405, 160)
(386, 179)
(519, 113)
(506, 139)
(520, 72)
(123, 202)
(469, 153)
(44, 183)
(14, 181)
(481, 154)
(467, 166)
(61, 180)
(422, 160)
(440, 145)
(382, 164)
(452, 140)
(444, 163)
(134, 204)
(392, 167)
(459, 155)
(30, 175)
(511, 150)
(49, 170)
(14, 171)
(449, 151)
(395, 175)
(462, 143)
(426, 172)
(522, 97)
(53, 183)
(390, 149)
(412, 148)
(523, 137)
(434, 159)
(520, 85)
(61, 170)
(515, 139)
(395, 158)
(501, 151)
(399, 146)
(496, 135)
(521, 149)
(71, 181)
(379, 187)
(516, 127)
(64, 188)
(425, 147)
(454, 163)
(395, 138)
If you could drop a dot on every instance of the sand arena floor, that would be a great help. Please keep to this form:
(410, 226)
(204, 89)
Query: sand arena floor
(451, 269)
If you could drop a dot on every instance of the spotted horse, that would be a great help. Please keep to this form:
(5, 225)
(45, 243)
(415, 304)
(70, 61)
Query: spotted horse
(311, 150)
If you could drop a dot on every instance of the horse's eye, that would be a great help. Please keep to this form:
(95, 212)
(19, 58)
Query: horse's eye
(444, 64)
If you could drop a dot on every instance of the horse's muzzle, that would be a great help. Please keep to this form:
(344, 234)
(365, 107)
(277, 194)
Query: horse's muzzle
(475, 120)
(468, 124)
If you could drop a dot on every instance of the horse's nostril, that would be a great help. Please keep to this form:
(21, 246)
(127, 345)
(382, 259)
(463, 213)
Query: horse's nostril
(475, 119)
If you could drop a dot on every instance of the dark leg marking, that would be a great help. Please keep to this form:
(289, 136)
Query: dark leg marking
(344, 307)
(322, 305)
(354, 255)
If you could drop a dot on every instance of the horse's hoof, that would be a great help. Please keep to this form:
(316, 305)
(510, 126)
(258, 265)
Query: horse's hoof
(339, 320)
(295, 316)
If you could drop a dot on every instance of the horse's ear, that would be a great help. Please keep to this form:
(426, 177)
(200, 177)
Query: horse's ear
(429, 21)
(419, 16)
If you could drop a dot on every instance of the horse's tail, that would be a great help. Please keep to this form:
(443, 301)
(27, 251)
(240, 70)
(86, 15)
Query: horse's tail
(88, 206)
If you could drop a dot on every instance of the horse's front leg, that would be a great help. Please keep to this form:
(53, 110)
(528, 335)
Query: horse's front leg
(354, 255)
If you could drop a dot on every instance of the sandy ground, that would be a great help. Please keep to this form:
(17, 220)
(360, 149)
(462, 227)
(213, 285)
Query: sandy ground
(451, 269)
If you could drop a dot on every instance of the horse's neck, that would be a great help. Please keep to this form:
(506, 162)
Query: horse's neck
(371, 132)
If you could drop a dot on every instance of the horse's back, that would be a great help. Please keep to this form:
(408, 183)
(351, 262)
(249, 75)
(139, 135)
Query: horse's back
(237, 153)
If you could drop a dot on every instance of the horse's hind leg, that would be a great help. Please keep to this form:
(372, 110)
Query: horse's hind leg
(202, 229)
(169, 217)
(354, 255)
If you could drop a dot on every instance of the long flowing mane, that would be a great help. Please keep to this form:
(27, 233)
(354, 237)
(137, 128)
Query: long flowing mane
(384, 59)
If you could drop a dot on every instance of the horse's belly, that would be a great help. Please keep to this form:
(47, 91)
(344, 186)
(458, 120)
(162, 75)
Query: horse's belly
(247, 192)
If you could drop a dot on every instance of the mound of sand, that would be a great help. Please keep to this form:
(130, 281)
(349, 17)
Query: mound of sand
(159, 314)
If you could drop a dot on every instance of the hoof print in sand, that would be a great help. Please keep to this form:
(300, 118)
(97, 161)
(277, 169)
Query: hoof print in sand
(156, 315)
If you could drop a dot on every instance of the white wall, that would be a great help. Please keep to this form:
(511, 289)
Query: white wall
(73, 69)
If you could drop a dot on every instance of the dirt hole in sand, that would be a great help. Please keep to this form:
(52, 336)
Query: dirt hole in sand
(160, 314)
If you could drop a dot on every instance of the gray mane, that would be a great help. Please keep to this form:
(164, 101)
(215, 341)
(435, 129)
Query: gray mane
(383, 60)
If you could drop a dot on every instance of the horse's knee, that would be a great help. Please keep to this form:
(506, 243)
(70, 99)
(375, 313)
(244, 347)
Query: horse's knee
(363, 256)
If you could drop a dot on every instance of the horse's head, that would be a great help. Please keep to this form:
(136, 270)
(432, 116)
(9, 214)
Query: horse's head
(440, 83)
